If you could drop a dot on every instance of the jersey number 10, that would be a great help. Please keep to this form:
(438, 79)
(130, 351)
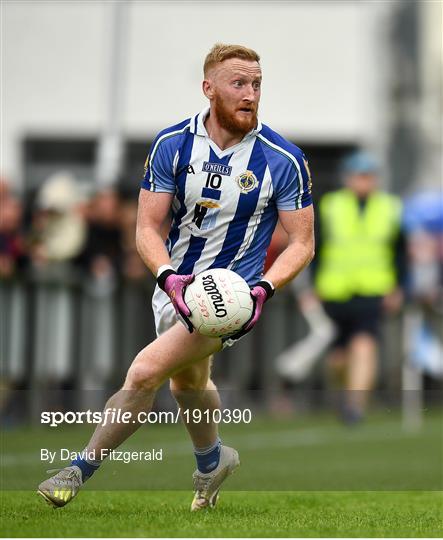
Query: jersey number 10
(213, 181)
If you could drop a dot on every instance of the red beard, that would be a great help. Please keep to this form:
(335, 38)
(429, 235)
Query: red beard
(232, 123)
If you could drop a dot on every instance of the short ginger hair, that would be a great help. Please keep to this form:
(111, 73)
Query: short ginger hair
(222, 51)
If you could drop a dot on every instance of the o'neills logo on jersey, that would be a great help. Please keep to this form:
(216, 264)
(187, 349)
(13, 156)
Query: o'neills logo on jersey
(214, 294)
(247, 181)
(217, 168)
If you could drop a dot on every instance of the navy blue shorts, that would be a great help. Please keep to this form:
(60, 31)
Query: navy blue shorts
(360, 314)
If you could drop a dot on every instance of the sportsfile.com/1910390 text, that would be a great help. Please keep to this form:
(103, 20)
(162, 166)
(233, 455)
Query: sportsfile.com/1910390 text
(114, 415)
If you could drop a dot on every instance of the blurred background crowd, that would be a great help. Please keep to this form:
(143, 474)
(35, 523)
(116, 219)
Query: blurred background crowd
(71, 284)
(75, 296)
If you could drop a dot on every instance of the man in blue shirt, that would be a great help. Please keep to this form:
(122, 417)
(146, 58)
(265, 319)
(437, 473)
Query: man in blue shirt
(226, 179)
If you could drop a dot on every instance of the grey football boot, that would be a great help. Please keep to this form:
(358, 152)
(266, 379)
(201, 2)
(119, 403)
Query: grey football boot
(62, 487)
(207, 485)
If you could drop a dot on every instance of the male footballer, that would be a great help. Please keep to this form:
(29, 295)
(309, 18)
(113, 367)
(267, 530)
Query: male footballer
(225, 179)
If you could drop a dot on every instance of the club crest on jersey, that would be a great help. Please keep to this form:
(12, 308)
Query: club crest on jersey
(247, 181)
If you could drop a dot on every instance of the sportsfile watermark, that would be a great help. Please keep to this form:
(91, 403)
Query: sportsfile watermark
(396, 448)
(113, 415)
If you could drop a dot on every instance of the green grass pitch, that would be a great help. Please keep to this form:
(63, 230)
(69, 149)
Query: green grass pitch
(239, 514)
(300, 477)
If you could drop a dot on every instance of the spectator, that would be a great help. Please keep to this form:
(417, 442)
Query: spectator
(12, 311)
(12, 242)
(423, 221)
(101, 257)
(57, 230)
(357, 276)
(56, 237)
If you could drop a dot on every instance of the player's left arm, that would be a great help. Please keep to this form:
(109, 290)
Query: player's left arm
(299, 225)
(295, 212)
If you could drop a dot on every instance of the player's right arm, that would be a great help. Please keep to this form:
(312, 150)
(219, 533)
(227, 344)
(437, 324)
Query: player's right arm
(153, 213)
(154, 203)
(155, 200)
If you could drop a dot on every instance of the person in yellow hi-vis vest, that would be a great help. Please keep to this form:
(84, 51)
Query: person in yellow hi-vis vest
(357, 274)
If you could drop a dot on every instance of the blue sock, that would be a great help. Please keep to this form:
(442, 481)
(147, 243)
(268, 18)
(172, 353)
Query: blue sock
(87, 469)
(208, 458)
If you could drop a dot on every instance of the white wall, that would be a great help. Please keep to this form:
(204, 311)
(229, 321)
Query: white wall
(430, 112)
(320, 62)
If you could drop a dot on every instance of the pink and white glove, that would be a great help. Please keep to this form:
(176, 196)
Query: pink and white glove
(260, 293)
(174, 286)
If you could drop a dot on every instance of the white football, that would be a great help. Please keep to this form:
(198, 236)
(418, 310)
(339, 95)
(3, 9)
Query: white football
(220, 302)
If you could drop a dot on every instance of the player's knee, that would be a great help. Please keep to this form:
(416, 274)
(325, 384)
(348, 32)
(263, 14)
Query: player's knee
(141, 377)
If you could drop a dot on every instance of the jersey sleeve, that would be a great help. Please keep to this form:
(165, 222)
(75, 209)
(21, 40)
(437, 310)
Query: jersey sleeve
(293, 188)
(159, 167)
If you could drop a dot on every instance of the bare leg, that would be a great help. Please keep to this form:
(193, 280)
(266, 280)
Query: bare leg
(194, 390)
(173, 351)
(336, 368)
(362, 370)
(336, 363)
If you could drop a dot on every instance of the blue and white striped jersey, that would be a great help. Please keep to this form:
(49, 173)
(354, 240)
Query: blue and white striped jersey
(226, 202)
